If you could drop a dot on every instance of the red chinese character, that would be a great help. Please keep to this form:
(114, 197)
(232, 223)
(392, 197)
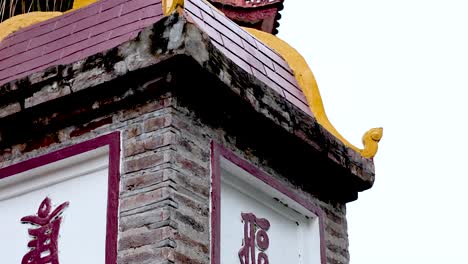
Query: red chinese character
(44, 241)
(254, 231)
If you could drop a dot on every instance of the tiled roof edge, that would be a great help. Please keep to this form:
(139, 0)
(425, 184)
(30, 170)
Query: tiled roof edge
(182, 39)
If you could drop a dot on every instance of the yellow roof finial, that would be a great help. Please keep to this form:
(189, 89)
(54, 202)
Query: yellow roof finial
(306, 80)
(170, 5)
(82, 3)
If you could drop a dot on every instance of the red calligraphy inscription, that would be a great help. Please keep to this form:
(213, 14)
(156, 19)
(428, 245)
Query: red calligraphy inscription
(255, 235)
(44, 243)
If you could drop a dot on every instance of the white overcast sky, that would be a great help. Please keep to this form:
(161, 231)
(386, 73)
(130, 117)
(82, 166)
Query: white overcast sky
(402, 65)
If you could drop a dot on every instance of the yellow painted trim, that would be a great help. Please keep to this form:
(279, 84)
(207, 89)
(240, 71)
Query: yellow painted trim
(306, 80)
(24, 20)
(82, 3)
(170, 6)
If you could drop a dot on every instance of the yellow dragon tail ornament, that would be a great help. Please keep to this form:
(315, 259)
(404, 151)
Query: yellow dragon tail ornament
(306, 81)
(308, 84)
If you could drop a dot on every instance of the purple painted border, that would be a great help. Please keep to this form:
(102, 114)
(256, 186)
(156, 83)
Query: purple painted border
(113, 141)
(218, 151)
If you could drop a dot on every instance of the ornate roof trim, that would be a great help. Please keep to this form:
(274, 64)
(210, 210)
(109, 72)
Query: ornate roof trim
(308, 84)
(173, 43)
(306, 80)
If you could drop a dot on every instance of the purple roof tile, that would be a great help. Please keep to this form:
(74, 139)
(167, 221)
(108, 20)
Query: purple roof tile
(108, 23)
(248, 52)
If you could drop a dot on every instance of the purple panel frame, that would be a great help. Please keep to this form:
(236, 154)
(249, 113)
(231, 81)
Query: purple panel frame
(113, 141)
(218, 151)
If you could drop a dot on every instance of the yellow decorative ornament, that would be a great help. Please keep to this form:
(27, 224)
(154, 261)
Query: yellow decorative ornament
(306, 80)
(81, 3)
(21, 21)
(169, 6)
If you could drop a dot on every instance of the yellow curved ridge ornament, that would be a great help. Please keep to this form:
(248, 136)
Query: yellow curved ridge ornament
(169, 6)
(306, 80)
(24, 20)
(82, 3)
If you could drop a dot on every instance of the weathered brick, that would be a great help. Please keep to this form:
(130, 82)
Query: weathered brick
(147, 161)
(5, 154)
(142, 199)
(157, 123)
(81, 130)
(138, 146)
(141, 255)
(10, 109)
(151, 219)
(41, 143)
(193, 166)
(133, 131)
(195, 207)
(147, 255)
(145, 179)
(182, 258)
(193, 244)
(143, 236)
(156, 105)
(192, 186)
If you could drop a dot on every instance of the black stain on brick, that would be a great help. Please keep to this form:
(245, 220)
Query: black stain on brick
(41, 142)
(51, 71)
(110, 58)
(90, 127)
(93, 61)
(190, 221)
(160, 37)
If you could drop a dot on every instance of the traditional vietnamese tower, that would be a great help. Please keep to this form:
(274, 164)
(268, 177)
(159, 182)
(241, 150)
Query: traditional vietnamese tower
(167, 131)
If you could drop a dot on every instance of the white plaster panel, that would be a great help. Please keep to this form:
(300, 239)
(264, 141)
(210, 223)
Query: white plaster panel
(294, 234)
(82, 180)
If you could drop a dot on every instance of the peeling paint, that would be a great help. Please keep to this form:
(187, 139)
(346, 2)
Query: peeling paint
(195, 44)
(176, 36)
